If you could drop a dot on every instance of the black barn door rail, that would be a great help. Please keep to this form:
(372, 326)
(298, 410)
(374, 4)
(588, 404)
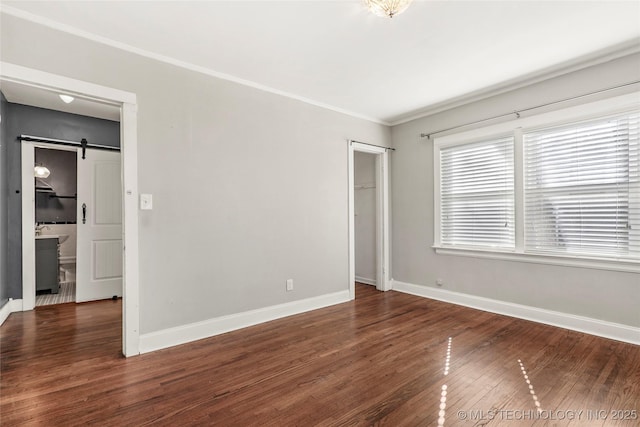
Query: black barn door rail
(82, 144)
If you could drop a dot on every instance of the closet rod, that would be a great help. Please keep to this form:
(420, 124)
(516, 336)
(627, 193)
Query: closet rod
(517, 113)
(373, 145)
(31, 138)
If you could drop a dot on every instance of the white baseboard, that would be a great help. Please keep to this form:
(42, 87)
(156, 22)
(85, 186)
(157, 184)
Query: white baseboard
(587, 325)
(11, 306)
(366, 281)
(5, 311)
(219, 325)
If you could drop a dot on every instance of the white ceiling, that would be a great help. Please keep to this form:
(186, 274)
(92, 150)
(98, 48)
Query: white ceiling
(28, 95)
(336, 54)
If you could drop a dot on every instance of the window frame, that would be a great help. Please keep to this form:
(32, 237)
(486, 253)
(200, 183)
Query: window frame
(488, 138)
(518, 127)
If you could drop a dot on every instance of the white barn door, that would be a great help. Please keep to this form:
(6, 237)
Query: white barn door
(99, 252)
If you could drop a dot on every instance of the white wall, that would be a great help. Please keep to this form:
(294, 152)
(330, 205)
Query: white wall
(249, 188)
(364, 178)
(598, 294)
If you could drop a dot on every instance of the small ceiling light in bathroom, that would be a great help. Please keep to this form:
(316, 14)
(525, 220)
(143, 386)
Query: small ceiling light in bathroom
(66, 98)
(41, 171)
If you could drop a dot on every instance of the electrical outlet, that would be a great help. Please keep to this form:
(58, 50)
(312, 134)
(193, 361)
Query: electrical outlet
(439, 282)
(289, 285)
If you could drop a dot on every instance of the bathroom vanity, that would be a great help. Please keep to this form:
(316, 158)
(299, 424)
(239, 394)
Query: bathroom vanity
(47, 266)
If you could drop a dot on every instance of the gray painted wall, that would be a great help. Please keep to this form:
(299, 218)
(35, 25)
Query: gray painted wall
(249, 188)
(23, 119)
(365, 219)
(64, 180)
(606, 295)
(4, 286)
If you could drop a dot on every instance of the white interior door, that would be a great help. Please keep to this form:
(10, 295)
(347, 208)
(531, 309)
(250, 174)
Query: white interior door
(99, 251)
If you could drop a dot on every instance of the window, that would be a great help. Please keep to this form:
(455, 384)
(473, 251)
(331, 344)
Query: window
(477, 194)
(559, 188)
(580, 182)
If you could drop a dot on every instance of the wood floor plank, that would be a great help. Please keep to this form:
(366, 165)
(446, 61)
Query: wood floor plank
(378, 360)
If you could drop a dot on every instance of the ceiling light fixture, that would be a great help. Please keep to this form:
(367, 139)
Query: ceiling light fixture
(387, 8)
(40, 171)
(66, 98)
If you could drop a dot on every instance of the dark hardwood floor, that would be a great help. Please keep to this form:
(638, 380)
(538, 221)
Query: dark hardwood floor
(379, 360)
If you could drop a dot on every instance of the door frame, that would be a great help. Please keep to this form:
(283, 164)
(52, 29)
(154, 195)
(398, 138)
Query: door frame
(127, 102)
(383, 282)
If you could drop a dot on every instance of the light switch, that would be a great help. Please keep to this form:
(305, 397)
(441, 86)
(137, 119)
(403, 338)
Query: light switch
(146, 202)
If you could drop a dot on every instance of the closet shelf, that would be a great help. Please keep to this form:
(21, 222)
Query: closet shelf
(55, 196)
(364, 186)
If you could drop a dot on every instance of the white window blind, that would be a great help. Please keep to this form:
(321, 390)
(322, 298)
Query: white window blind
(477, 194)
(582, 188)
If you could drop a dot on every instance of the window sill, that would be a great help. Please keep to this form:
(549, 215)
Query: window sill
(582, 262)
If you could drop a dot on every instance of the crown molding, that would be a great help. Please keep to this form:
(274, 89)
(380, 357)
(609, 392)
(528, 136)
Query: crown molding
(615, 52)
(600, 57)
(50, 23)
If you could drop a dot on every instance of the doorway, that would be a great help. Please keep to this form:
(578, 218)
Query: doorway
(55, 224)
(127, 103)
(380, 187)
(80, 204)
(365, 217)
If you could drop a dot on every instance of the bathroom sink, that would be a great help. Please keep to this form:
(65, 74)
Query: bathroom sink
(61, 237)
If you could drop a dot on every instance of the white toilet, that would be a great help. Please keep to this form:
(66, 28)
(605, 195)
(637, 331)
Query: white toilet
(67, 268)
